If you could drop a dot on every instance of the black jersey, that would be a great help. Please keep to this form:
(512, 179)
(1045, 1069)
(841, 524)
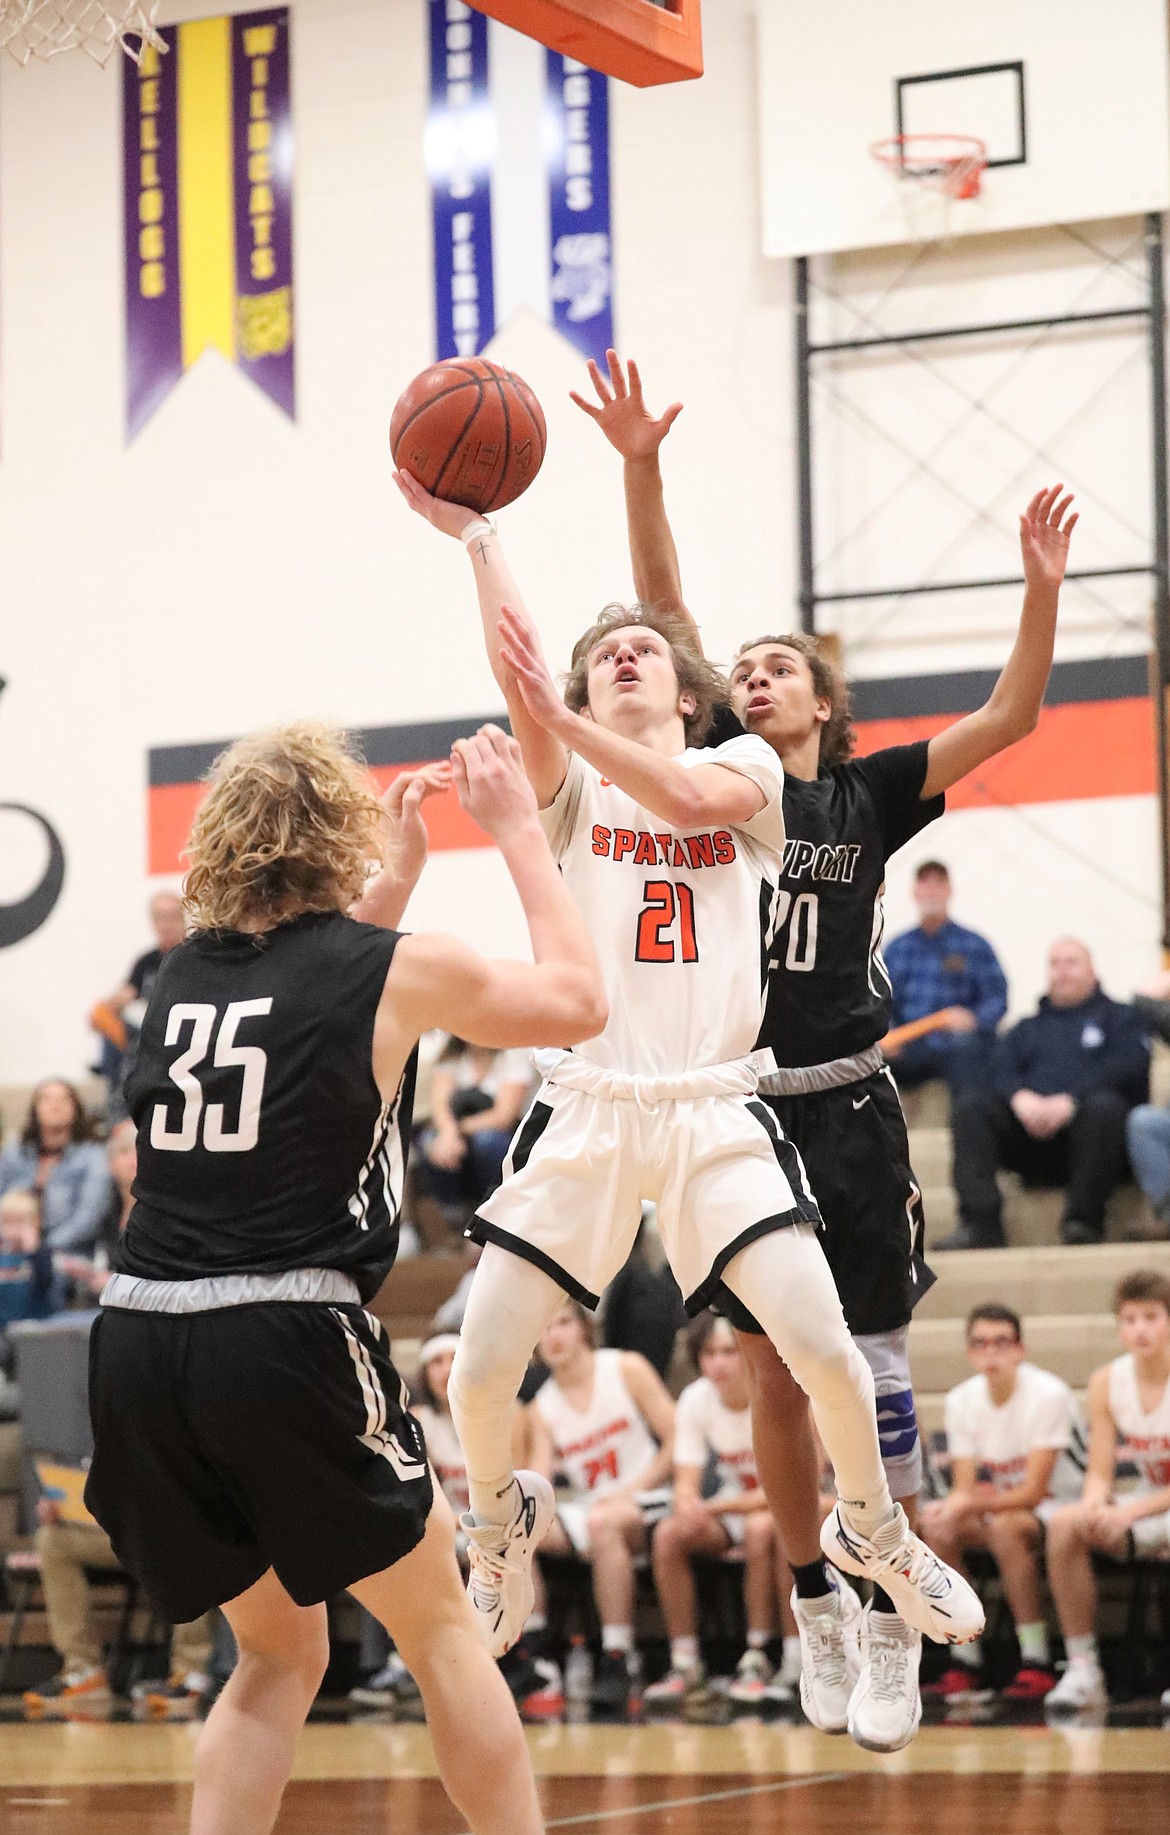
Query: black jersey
(264, 1144)
(828, 992)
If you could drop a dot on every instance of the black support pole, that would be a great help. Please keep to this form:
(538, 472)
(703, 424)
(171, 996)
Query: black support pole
(807, 596)
(1155, 258)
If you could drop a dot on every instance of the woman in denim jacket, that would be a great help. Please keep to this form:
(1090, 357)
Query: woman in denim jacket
(56, 1158)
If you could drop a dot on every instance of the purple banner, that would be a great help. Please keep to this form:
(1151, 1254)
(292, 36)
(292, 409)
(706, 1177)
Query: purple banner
(578, 201)
(262, 169)
(460, 139)
(154, 345)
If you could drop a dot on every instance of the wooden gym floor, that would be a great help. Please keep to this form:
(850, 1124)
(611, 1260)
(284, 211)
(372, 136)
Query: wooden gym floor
(370, 1778)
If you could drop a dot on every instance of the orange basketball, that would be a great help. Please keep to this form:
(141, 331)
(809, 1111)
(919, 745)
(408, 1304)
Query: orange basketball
(470, 432)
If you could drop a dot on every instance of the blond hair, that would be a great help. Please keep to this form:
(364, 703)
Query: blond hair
(696, 676)
(289, 824)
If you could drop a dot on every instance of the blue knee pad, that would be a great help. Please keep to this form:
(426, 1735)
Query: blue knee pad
(886, 1355)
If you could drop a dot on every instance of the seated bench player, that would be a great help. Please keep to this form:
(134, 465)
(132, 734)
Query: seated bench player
(602, 1427)
(1016, 1443)
(1129, 1420)
(713, 1428)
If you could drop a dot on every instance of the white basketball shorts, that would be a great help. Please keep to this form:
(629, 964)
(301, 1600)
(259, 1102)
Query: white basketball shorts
(702, 1148)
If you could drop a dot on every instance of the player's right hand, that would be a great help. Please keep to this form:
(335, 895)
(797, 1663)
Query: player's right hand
(490, 782)
(623, 415)
(447, 518)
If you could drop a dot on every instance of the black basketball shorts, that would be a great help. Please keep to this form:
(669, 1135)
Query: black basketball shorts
(229, 1442)
(852, 1140)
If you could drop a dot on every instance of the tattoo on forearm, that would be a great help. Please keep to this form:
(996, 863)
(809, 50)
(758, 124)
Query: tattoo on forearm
(482, 549)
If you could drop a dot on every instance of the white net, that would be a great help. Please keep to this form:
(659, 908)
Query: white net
(42, 28)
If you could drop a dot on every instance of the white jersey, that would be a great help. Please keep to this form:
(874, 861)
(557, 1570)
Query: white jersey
(676, 916)
(603, 1445)
(1145, 1438)
(445, 1455)
(1040, 1414)
(706, 1429)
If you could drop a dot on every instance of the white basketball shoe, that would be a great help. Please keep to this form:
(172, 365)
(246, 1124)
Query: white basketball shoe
(830, 1656)
(886, 1708)
(926, 1592)
(499, 1584)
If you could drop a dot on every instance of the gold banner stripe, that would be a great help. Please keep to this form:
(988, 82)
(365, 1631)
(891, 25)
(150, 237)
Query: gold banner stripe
(207, 258)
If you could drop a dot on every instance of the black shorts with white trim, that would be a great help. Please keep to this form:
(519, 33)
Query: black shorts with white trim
(247, 1438)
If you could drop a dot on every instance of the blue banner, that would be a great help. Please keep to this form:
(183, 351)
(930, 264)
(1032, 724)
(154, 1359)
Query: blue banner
(460, 142)
(581, 285)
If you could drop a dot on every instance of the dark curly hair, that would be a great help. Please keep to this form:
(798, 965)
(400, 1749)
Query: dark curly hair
(838, 738)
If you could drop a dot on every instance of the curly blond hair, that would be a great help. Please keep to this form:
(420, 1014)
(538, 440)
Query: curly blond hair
(696, 676)
(289, 824)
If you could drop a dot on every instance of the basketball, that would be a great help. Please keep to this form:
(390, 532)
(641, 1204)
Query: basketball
(470, 432)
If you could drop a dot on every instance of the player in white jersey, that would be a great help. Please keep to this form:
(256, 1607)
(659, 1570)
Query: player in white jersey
(713, 1436)
(673, 855)
(603, 1428)
(1016, 1444)
(1129, 1420)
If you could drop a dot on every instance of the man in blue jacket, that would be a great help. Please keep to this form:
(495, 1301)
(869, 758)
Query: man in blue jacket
(1063, 1083)
(943, 966)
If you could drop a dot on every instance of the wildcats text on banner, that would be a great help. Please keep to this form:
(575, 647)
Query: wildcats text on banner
(208, 155)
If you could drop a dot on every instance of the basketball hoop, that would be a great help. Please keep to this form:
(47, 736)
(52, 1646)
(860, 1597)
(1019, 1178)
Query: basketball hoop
(44, 28)
(951, 164)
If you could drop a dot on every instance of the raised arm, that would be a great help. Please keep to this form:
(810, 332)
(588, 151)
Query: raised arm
(1015, 702)
(558, 999)
(545, 760)
(684, 797)
(385, 898)
(622, 415)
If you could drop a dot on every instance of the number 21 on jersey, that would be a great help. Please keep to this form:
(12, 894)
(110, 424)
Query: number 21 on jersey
(666, 904)
(226, 1055)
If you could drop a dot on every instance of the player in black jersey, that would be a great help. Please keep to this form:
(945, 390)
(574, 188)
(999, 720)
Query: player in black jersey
(253, 1449)
(828, 1008)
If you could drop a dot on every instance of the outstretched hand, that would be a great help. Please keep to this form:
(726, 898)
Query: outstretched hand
(1045, 529)
(523, 659)
(447, 518)
(490, 781)
(402, 801)
(623, 415)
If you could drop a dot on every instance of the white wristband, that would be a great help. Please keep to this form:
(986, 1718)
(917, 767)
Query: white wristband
(480, 526)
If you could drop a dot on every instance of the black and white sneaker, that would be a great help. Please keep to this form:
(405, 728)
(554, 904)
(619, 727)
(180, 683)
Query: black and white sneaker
(927, 1593)
(499, 1581)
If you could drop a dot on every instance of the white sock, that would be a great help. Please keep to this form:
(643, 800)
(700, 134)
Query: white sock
(784, 1279)
(684, 1653)
(509, 1305)
(1033, 1642)
(1082, 1649)
(790, 1664)
(617, 1637)
(757, 1639)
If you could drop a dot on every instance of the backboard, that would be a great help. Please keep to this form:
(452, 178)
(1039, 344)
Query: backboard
(1072, 102)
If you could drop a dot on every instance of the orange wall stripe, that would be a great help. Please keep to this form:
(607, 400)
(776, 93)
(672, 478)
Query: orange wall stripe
(1080, 749)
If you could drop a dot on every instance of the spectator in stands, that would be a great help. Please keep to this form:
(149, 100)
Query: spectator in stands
(1064, 1081)
(119, 1019)
(477, 1098)
(642, 1308)
(1147, 1128)
(603, 1430)
(89, 1273)
(1015, 1441)
(58, 1160)
(66, 1551)
(29, 1288)
(1129, 1420)
(726, 1516)
(942, 967)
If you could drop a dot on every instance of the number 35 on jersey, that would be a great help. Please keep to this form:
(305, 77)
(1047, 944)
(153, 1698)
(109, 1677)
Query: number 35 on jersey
(196, 1023)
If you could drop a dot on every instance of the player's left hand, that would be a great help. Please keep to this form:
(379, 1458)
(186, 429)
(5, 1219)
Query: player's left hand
(623, 416)
(402, 801)
(1045, 528)
(447, 518)
(523, 658)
